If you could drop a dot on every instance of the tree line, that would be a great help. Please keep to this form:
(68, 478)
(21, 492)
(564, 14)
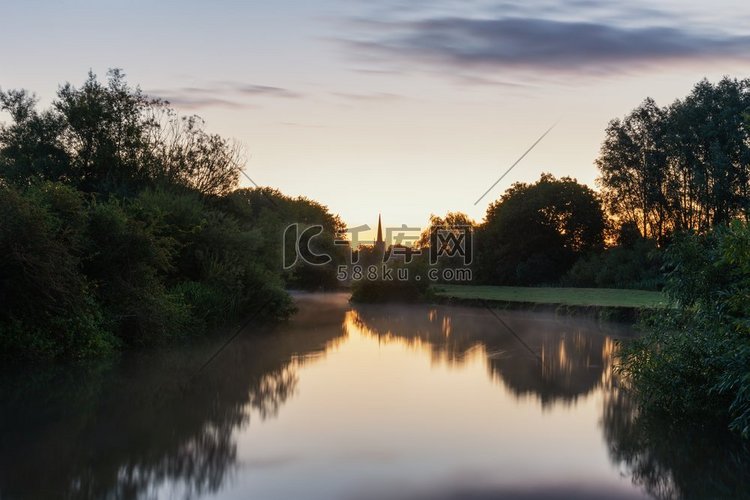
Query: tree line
(663, 171)
(681, 167)
(671, 214)
(680, 175)
(122, 225)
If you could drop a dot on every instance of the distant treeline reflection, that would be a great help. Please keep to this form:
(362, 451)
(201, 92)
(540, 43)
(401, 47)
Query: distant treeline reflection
(559, 361)
(531, 354)
(152, 421)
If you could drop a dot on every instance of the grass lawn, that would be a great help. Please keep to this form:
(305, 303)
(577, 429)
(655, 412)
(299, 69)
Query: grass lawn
(606, 297)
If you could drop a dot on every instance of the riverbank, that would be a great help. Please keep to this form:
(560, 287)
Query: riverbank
(602, 303)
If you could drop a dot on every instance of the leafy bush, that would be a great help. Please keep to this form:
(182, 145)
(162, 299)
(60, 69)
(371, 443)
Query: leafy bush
(204, 302)
(694, 361)
(676, 366)
(84, 277)
(48, 309)
(268, 213)
(388, 287)
(635, 266)
(126, 262)
(122, 226)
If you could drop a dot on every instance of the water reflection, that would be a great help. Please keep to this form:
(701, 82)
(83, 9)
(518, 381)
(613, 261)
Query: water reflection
(559, 360)
(366, 402)
(539, 355)
(126, 431)
(671, 460)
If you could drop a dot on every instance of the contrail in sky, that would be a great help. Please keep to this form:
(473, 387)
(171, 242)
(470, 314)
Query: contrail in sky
(516, 163)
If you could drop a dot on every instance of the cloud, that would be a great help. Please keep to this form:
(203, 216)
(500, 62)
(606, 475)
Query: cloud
(372, 96)
(301, 125)
(196, 102)
(264, 90)
(222, 94)
(548, 45)
(376, 71)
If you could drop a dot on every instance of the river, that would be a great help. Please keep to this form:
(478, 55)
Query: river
(353, 402)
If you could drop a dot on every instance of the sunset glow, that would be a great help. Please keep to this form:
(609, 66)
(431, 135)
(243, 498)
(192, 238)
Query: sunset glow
(361, 106)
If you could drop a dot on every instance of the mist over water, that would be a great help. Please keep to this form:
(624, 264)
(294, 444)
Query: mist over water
(342, 401)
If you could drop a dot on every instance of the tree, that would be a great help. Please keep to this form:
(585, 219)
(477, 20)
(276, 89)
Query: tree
(463, 228)
(709, 153)
(692, 362)
(535, 232)
(30, 147)
(452, 221)
(269, 213)
(46, 303)
(111, 138)
(183, 153)
(633, 166)
(104, 133)
(121, 226)
(682, 167)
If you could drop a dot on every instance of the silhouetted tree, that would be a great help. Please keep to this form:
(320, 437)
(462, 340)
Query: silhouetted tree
(121, 226)
(632, 165)
(462, 227)
(685, 166)
(30, 147)
(185, 154)
(111, 138)
(535, 232)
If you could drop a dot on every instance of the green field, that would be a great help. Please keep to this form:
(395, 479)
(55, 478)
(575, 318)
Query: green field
(601, 297)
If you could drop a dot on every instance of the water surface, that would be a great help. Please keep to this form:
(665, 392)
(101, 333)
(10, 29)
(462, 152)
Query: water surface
(364, 402)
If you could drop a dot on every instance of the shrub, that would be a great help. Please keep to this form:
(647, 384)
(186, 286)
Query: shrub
(126, 261)
(635, 266)
(121, 227)
(390, 288)
(694, 361)
(47, 310)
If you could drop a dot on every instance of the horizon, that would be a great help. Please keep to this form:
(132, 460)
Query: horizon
(551, 298)
(367, 109)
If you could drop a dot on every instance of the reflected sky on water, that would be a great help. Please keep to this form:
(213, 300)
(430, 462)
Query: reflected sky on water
(343, 401)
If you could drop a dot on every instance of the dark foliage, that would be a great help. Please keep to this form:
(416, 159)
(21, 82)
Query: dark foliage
(121, 226)
(682, 167)
(634, 262)
(693, 360)
(535, 232)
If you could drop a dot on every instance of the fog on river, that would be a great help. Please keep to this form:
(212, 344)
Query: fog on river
(363, 402)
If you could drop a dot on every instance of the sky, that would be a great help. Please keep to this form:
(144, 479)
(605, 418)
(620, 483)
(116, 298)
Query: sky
(400, 107)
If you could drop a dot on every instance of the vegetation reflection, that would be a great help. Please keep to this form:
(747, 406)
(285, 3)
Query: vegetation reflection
(151, 421)
(555, 360)
(673, 460)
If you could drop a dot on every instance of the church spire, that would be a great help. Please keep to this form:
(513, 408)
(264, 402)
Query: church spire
(380, 232)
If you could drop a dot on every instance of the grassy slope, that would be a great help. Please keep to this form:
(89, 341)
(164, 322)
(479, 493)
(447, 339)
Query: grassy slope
(605, 297)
